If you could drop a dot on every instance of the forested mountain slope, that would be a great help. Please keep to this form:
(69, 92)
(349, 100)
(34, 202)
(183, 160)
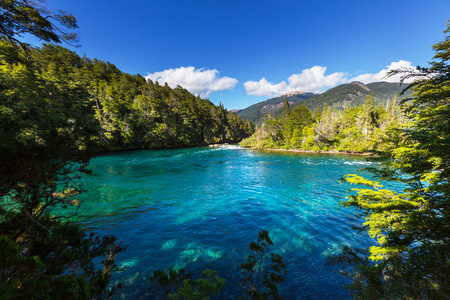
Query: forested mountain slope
(344, 95)
(355, 93)
(123, 111)
(256, 112)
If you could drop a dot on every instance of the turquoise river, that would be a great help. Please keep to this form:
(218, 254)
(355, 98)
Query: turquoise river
(200, 208)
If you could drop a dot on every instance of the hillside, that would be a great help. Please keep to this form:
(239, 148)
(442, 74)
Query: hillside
(350, 94)
(117, 110)
(354, 94)
(386, 90)
(272, 106)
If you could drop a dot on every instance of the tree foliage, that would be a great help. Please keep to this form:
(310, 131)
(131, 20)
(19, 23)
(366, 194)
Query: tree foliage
(286, 109)
(49, 259)
(173, 284)
(411, 260)
(120, 111)
(262, 272)
(354, 129)
(57, 110)
(46, 141)
(20, 17)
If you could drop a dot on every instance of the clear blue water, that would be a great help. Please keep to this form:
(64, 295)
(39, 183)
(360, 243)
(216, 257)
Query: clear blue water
(201, 207)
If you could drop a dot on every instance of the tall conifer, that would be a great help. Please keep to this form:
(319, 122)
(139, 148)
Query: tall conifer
(412, 223)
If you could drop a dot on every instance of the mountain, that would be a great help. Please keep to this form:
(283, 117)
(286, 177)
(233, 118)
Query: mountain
(386, 90)
(273, 106)
(350, 94)
(354, 94)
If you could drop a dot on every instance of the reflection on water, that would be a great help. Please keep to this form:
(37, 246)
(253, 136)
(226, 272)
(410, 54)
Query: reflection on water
(200, 208)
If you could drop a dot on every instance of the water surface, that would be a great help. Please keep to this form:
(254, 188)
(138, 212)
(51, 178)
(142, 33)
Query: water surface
(201, 207)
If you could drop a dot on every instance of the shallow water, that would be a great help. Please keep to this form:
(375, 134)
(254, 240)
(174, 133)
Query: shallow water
(201, 207)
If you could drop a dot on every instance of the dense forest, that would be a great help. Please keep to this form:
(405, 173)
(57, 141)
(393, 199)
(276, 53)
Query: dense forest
(58, 110)
(354, 129)
(123, 111)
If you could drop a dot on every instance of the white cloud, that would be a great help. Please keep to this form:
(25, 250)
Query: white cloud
(197, 81)
(264, 88)
(314, 80)
(311, 80)
(380, 76)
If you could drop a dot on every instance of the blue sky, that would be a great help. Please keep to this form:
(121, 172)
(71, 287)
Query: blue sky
(242, 52)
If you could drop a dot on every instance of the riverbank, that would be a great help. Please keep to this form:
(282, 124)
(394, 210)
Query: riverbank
(314, 152)
(105, 152)
(123, 150)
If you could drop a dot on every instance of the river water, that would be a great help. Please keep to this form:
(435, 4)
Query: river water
(200, 208)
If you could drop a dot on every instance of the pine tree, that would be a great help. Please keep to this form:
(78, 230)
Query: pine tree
(299, 118)
(286, 110)
(19, 17)
(412, 227)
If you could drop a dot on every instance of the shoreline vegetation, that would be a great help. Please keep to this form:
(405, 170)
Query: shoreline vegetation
(313, 151)
(106, 152)
(359, 130)
(114, 110)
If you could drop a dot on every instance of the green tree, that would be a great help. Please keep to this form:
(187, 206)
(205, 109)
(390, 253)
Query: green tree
(274, 131)
(327, 128)
(19, 17)
(46, 141)
(167, 282)
(261, 275)
(412, 227)
(299, 117)
(173, 284)
(286, 110)
(369, 116)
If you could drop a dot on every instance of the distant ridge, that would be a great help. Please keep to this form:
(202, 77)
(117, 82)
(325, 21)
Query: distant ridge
(273, 106)
(339, 97)
(355, 93)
